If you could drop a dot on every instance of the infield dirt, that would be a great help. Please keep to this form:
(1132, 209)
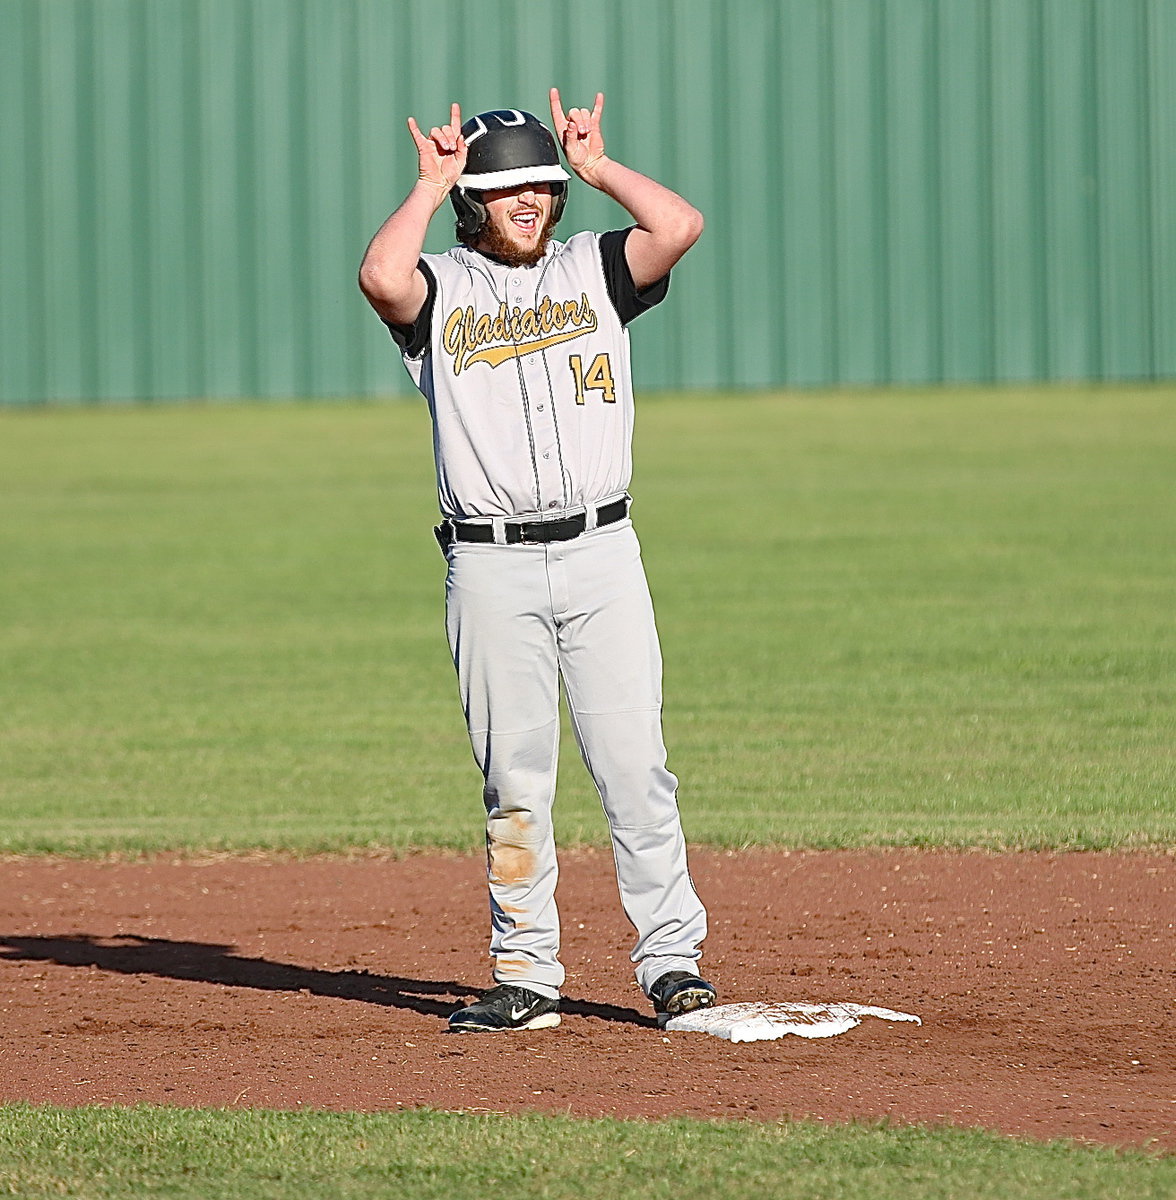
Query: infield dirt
(1045, 983)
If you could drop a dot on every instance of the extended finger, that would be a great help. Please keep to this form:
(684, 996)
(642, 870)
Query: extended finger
(557, 113)
(598, 108)
(417, 136)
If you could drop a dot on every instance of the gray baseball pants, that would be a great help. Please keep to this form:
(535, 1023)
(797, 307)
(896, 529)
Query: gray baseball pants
(518, 617)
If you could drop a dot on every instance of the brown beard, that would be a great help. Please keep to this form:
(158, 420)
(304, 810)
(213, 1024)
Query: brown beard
(493, 241)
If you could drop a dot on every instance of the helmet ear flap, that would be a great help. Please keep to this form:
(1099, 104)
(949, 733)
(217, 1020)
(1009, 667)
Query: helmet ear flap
(559, 197)
(471, 213)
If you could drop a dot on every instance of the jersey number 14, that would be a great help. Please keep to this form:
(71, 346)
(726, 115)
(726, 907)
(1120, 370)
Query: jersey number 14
(598, 377)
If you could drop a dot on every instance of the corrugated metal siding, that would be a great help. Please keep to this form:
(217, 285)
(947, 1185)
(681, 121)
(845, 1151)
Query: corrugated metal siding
(896, 190)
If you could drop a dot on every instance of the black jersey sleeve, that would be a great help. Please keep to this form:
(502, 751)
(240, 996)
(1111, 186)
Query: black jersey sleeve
(413, 339)
(622, 291)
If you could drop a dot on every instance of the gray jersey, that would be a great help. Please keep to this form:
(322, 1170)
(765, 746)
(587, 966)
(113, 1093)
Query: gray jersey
(526, 372)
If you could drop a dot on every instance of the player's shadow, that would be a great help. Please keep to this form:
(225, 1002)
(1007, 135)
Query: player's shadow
(210, 962)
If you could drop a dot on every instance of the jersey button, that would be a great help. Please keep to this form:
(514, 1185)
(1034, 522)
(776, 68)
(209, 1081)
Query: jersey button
(553, 504)
(538, 407)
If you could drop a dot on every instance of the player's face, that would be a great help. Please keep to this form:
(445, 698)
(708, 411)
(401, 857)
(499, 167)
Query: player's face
(518, 223)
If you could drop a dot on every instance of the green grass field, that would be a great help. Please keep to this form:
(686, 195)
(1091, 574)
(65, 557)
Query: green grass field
(113, 1153)
(936, 618)
(928, 618)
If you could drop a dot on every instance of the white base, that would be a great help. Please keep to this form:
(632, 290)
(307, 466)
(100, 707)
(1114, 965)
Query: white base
(762, 1020)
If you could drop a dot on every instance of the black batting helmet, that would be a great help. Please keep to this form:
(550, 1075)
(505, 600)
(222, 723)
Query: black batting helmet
(506, 148)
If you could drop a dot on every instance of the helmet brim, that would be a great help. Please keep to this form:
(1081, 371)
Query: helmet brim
(514, 177)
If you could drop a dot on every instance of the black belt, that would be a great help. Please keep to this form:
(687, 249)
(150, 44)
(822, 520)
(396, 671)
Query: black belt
(563, 529)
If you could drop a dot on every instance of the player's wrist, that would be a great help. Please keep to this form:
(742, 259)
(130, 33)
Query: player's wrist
(433, 189)
(593, 169)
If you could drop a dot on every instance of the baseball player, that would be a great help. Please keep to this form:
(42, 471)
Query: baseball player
(519, 344)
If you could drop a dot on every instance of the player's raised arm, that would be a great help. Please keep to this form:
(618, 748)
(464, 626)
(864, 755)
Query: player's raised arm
(667, 225)
(388, 275)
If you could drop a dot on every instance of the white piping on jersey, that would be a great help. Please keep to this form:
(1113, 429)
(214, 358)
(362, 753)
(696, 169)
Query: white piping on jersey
(488, 275)
(564, 480)
(472, 263)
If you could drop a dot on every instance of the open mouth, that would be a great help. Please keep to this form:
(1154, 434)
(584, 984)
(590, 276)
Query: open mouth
(526, 221)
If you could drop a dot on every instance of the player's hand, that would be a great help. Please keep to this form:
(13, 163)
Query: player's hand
(442, 155)
(579, 134)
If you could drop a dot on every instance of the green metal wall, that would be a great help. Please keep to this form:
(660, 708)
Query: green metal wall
(896, 190)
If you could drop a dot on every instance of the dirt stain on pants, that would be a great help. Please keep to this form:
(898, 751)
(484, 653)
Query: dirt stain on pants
(510, 859)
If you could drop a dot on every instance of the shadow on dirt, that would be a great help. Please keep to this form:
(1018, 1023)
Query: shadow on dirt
(210, 962)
